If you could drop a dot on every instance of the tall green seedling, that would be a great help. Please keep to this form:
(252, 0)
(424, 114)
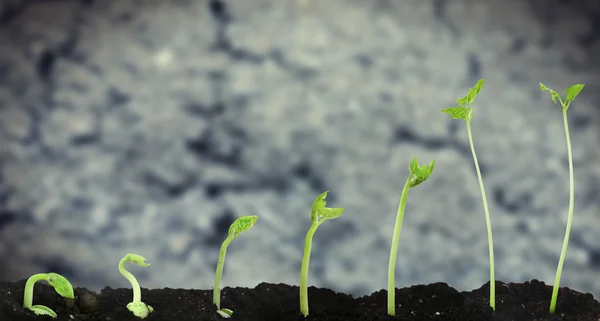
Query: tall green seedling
(137, 307)
(240, 225)
(60, 284)
(318, 215)
(416, 176)
(465, 112)
(571, 93)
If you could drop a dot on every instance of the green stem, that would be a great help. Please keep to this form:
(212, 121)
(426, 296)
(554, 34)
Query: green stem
(304, 269)
(28, 296)
(219, 273)
(563, 253)
(487, 219)
(394, 249)
(137, 293)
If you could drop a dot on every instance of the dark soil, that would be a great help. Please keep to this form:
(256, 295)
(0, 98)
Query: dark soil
(280, 302)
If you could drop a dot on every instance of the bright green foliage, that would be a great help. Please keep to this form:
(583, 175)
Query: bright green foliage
(416, 176)
(240, 225)
(137, 307)
(318, 214)
(60, 284)
(571, 93)
(465, 112)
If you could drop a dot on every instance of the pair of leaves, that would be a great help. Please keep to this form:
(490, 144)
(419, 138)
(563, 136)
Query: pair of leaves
(242, 224)
(319, 212)
(419, 174)
(463, 112)
(571, 92)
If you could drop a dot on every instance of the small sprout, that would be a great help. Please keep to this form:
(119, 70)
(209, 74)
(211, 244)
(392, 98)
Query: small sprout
(60, 284)
(240, 225)
(137, 307)
(465, 112)
(571, 93)
(416, 176)
(318, 215)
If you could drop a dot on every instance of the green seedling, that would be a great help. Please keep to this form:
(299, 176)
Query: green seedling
(318, 215)
(60, 284)
(416, 176)
(137, 307)
(571, 93)
(240, 225)
(465, 112)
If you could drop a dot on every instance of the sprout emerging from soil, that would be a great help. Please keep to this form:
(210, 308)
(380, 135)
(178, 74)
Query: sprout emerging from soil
(60, 284)
(240, 225)
(571, 92)
(137, 307)
(465, 112)
(318, 215)
(416, 176)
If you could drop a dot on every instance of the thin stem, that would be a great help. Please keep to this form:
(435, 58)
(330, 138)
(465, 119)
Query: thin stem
(219, 273)
(563, 253)
(304, 270)
(28, 296)
(487, 219)
(137, 293)
(394, 249)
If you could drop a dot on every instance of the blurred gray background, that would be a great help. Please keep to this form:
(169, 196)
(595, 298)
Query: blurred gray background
(149, 126)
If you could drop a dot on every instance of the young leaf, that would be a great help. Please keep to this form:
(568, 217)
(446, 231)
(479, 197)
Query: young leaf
(319, 211)
(573, 91)
(61, 285)
(458, 112)
(555, 95)
(479, 86)
(421, 174)
(242, 224)
(43, 310)
(137, 259)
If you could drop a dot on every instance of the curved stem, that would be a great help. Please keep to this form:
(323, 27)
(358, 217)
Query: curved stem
(219, 273)
(487, 219)
(137, 293)
(304, 270)
(563, 253)
(28, 296)
(391, 302)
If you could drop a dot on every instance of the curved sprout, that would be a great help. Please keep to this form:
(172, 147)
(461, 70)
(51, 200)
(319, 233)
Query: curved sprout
(137, 307)
(60, 284)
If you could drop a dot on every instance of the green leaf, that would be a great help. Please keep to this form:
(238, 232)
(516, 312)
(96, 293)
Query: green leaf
(414, 166)
(573, 91)
(61, 285)
(137, 259)
(479, 86)
(42, 310)
(555, 95)
(421, 174)
(242, 224)
(458, 112)
(319, 211)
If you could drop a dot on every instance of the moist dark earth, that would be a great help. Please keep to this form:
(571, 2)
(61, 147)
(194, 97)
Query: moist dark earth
(527, 301)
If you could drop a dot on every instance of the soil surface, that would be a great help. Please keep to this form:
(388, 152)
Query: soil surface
(270, 302)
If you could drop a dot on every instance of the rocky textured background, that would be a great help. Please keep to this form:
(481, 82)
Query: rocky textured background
(149, 126)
